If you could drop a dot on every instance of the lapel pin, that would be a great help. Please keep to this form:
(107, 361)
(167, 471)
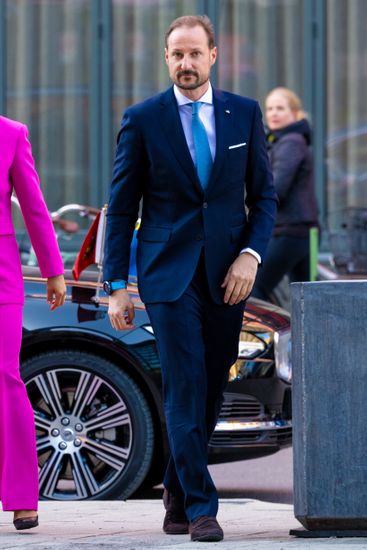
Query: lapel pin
(227, 111)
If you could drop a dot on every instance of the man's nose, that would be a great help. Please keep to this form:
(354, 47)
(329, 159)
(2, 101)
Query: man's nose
(186, 63)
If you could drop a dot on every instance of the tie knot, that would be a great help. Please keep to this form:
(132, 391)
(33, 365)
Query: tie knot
(195, 105)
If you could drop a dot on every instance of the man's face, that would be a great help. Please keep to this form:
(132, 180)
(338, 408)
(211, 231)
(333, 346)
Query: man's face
(189, 58)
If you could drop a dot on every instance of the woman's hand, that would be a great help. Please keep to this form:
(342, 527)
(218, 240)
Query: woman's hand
(56, 291)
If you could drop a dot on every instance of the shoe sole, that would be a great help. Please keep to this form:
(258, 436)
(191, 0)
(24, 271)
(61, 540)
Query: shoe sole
(207, 538)
(182, 531)
(176, 532)
(25, 525)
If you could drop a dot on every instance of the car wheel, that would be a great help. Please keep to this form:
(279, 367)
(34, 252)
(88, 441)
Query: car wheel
(94, 428)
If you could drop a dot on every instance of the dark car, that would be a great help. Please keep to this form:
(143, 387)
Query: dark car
(97, 394)
(97, 400)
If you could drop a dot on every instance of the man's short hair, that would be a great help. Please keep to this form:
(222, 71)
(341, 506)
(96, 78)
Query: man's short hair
(192, 21)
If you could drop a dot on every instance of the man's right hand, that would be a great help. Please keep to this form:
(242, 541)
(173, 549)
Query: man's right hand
(121, 310)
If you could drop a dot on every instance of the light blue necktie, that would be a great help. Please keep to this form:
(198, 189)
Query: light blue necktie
(204, 161)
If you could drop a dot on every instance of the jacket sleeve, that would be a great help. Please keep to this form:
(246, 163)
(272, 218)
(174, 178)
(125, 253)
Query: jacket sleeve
(26, 184)
(287, 158)
(261, 199)
(129, 174)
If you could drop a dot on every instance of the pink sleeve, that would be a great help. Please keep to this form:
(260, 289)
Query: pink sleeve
(36, 216)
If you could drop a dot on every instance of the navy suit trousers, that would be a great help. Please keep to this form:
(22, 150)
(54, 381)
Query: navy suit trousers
(197, 343)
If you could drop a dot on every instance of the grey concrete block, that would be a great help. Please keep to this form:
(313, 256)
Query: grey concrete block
(329, 354)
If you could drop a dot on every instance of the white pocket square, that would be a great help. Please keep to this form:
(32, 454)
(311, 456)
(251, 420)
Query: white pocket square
(237, 145)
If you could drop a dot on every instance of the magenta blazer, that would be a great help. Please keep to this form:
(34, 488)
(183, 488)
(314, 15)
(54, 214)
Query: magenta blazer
(18, 173)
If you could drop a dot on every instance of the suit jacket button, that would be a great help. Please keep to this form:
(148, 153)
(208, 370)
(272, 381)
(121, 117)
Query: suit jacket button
(205, 205)
(199, 237)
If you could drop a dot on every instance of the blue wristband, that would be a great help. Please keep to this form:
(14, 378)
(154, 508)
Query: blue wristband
(111, 286)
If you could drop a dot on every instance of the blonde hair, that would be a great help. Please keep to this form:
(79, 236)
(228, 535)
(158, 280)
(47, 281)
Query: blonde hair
(293, 100)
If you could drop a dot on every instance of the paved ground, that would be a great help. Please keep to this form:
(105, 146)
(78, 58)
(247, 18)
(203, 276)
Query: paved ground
(268, 479)
(136, 524)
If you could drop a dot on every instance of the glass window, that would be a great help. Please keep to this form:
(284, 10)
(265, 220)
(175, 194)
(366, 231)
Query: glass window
(346, 149)
(260, 46)
(48, 66)
(138, 65)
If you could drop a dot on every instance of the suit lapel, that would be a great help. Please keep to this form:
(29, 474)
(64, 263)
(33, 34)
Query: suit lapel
(175, 135)
(223, 126)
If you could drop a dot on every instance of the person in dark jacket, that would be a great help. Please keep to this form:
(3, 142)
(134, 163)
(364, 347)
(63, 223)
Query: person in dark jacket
(288, 138)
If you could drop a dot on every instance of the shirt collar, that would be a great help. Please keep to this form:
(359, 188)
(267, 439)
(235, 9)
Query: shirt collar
(183, 100)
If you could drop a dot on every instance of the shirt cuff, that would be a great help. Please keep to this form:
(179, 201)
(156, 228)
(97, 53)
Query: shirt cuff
(253, 253)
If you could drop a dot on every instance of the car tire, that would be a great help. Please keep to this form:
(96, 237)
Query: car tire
(95, 434)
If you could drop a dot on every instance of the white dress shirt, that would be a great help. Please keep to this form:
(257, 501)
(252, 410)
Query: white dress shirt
(206, 114)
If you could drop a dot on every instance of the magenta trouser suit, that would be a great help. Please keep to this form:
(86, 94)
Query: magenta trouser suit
(18, 456)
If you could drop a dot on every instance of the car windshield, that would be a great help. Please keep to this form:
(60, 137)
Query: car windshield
(71, 225)
(72, 222)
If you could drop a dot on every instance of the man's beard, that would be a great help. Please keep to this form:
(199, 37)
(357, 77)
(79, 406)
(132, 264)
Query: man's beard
(194, 85)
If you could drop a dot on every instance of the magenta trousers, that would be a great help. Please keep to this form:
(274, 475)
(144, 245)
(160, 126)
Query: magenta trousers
(18, 455)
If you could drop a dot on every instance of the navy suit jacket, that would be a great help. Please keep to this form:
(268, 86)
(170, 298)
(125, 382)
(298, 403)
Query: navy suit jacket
(179, 219)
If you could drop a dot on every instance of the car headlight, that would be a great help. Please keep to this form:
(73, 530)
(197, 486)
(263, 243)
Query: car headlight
(282, 355)
(249, 345)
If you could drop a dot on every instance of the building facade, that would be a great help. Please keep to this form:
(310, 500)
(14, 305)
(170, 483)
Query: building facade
(68, 68)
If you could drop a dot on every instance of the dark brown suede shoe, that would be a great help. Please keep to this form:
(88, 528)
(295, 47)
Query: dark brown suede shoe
(205, 529)
(175, 521)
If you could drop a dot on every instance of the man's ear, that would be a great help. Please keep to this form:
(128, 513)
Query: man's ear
(213, 55)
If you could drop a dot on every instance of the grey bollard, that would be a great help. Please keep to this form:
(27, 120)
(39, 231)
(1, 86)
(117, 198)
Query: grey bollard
(329, 356)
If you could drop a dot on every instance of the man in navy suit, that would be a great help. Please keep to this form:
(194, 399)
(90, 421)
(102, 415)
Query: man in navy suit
(195, 166)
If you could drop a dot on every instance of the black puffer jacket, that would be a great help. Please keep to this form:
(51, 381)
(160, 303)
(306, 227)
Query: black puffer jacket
(291, 161)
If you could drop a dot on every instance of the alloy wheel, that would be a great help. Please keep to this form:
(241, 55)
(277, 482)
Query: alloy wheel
(84, 433)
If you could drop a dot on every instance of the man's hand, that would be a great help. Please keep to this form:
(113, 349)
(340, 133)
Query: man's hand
(121, 310)
(56, 291)
(240, 278)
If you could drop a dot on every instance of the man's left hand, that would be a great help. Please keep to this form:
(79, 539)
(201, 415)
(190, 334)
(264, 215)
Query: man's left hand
(240, 278)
